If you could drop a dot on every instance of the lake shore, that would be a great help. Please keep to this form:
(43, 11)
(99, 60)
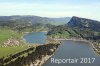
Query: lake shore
(41, 62)
(82, 40)
(44, 58)
(37, 57)
(25, 33)
(38, 62)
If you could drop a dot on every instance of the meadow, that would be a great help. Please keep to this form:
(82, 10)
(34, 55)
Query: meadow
(5, 34)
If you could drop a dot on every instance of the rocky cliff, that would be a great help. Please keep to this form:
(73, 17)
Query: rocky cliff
(84, 23)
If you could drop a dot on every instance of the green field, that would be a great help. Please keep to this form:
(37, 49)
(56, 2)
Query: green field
(6, 51)
(5, 34)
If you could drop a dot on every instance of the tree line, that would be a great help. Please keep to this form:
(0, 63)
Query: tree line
(39, 52)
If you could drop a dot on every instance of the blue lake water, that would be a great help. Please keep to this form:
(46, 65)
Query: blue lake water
(36, 37)
(72, 50)
(68, 49)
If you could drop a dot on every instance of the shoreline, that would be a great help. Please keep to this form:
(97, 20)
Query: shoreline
(95, 50)
(32, 44)
(47, 57)
(76, 40)
(44, 58)
(38, 57)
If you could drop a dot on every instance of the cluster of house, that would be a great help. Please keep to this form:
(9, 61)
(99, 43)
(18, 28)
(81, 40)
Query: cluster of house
(11, 42)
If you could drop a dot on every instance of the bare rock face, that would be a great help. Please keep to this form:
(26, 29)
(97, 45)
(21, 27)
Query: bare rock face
(84, 23)
(11, 42)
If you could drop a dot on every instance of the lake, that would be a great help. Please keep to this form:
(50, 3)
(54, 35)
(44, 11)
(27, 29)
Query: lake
(67, 50)
(75, 50)
(36, 38)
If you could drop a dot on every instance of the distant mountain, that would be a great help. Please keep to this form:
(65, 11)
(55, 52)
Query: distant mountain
(77, 28)
(59, 21)
(84, 23)
(34, 19)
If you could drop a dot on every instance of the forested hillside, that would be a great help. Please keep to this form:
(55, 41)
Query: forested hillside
(34, 19)
(77, 27)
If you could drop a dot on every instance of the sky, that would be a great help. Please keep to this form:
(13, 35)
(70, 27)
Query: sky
(51, 8)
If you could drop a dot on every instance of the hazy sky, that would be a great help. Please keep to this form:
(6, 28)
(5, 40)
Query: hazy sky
(52, 8)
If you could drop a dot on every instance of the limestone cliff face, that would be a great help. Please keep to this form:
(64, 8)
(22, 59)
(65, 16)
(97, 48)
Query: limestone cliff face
(84, 23)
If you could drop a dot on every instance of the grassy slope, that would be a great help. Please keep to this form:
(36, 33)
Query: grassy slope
(62, 32)
(68, 32)
(5, 34)
(5, 51)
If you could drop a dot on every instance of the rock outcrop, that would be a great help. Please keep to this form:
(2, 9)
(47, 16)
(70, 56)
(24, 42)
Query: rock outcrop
(84, 23)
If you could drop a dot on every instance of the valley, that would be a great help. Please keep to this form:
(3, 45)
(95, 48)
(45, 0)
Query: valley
(24, 36)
